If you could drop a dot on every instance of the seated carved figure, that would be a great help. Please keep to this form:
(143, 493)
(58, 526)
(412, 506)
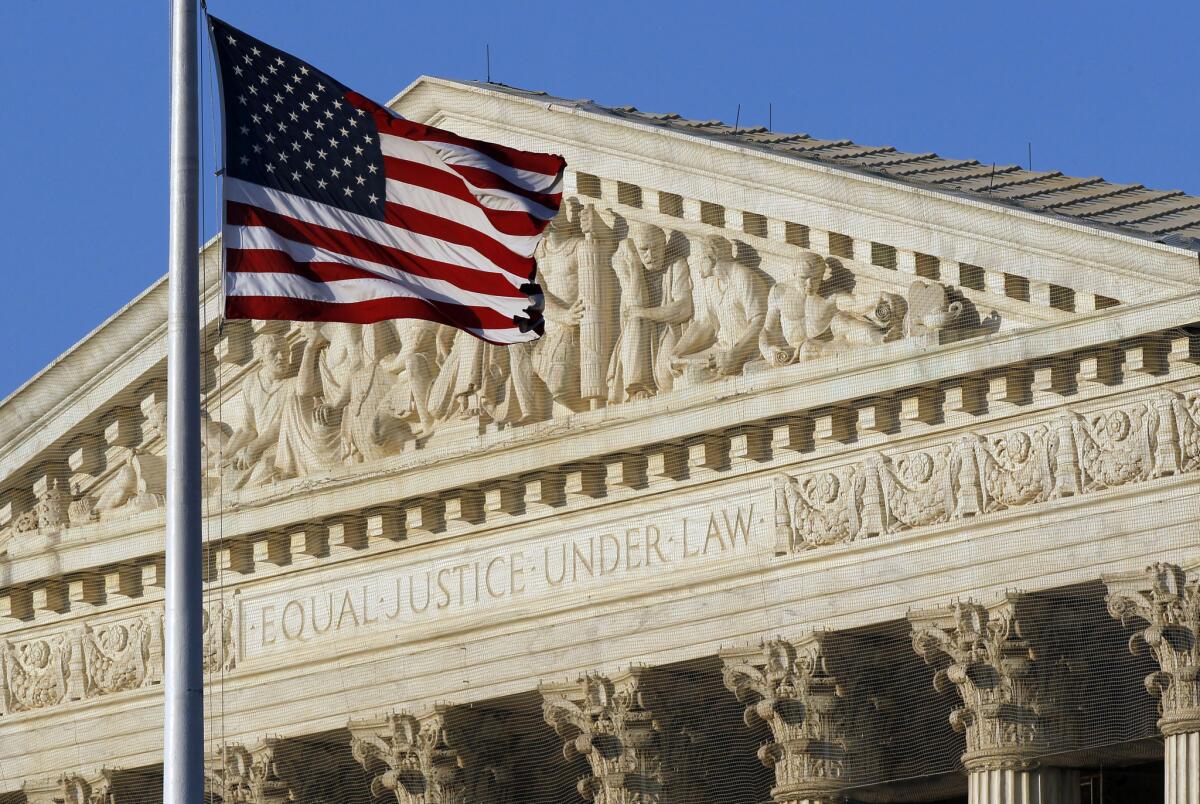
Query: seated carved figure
(279, 434)
(802, 324)
(730, 308)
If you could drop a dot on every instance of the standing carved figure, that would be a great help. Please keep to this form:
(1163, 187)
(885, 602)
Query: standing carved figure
(656, 303)
(731, 307)
(631, 369)
(554, 359)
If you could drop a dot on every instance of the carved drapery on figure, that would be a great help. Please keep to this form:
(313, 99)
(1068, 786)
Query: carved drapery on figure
(626, 319)
(1013, 699)
(444, 756)
(615, 722)
(790, 687)
(1167, 599)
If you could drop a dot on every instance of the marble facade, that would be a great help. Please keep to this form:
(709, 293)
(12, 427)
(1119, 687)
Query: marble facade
(814, 491)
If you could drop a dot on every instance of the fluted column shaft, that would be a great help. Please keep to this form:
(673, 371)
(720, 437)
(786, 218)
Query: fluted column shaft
(1181, 781)
(1023, 786)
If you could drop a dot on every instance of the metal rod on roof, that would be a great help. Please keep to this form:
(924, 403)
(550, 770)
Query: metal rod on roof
(487, 50)
(737, 119)
(1029, 147)
(770, 116)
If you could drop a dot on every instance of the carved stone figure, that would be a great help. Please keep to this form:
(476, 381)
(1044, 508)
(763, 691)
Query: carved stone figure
(554, 359)
(279, 435)
(357, 382)
(219, 649)
(731, 307)
(656, 303)
(802, 324)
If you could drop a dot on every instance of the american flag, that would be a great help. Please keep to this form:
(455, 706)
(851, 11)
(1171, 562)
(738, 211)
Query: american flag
(336, 209)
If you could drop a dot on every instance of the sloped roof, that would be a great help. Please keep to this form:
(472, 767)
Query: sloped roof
(1166, 216)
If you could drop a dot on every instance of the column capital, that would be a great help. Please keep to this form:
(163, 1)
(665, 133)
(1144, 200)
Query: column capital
(1165, 597)
(277, 770)
(75, 787)
(446, 755)
(618, 723)
(1010, 713)
(790, 686)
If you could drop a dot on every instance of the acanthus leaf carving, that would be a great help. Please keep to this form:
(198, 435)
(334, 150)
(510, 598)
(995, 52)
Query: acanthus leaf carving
(1013, 697)
(443, 756)
(616, 722)
(790, 687)
(1166, 598)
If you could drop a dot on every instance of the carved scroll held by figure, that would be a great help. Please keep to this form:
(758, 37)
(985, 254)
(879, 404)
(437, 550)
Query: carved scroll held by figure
(801, 324)
(731, 307)
(598, 318)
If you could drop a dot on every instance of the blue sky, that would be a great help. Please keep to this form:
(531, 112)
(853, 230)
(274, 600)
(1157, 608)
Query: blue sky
(1099, 88)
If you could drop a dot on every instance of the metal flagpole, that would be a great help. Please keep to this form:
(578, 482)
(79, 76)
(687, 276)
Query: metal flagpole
(183, 693)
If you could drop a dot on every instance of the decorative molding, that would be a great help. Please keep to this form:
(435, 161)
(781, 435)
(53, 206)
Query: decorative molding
(979, 473)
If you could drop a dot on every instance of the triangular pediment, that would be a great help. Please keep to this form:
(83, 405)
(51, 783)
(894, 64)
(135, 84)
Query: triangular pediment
(704, 282)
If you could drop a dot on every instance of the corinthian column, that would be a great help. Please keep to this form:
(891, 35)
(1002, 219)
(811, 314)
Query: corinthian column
(1167, 600)
(446, 755)
(1008, 714)
(789, 686)
(619, 724)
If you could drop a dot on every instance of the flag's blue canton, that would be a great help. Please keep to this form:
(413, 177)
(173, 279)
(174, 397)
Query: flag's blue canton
(288, 126)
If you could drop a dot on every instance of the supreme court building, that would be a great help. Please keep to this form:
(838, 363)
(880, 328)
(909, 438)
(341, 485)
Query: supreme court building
(841, 474)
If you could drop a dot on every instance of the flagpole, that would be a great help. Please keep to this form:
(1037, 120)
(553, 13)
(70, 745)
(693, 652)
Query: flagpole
(183, 693)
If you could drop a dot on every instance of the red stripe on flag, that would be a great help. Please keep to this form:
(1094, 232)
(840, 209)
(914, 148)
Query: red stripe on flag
(425, 223)
(471, 279)
(510, 222)
(547, 164)
(275, 308)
